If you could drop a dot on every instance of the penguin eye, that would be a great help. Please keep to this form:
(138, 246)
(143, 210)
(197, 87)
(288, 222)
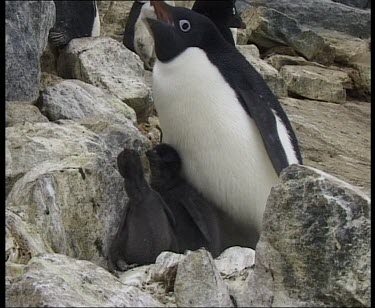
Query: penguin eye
(234, 11)
(185, 25)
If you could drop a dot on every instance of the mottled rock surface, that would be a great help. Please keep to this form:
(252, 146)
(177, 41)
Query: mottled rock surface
(108, 64)
(268, 28)
(269, 73)
(26, 31)
(334, 138)
(195, 271)
(323, 14)
(21, 113)
(54, 280)
(314, 249)
(316, 83)
(74, 100)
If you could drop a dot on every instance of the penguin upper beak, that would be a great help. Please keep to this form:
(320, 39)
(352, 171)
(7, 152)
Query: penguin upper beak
(162, 11)
(236, 22)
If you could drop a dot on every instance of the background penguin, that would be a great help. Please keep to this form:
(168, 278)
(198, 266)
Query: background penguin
(197, 223)
(74, 19)
(223, 14)
(147, 225)
(219, 114)
(137, 37)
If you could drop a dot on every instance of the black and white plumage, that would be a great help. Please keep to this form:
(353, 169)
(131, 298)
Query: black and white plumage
(217, 111)
(74, 19)
(223, 14)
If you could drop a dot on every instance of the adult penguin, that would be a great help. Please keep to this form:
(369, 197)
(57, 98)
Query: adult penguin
(74, 19)
(137, 37)
(216, 110)
(223, 14)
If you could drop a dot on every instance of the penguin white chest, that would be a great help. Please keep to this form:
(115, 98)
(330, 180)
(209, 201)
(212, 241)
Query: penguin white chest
(221, 148)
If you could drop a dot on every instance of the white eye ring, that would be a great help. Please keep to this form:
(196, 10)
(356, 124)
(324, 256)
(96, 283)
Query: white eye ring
(234, 11)
(185, 25)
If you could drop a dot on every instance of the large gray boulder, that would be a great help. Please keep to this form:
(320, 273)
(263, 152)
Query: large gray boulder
(317, 83)
(30, 145)
(322, 14)
(62, 179)
(108, 64)
(314, 249)
(198, 282)
(54, 280)
(74, 100)
(268, 28)
(22, 112)
(27, 24)
(361, 4)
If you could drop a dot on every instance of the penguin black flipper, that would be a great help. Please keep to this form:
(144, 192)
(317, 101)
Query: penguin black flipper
(266, 123)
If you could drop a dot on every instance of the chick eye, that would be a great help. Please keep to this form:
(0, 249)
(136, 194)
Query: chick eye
(185, 25)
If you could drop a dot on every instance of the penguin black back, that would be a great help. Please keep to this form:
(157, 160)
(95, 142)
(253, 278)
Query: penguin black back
(74, 19)
(222, 13)
(147, 224)
(197, 222)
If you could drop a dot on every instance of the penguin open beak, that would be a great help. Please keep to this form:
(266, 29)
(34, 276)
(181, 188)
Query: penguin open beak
(162, 11)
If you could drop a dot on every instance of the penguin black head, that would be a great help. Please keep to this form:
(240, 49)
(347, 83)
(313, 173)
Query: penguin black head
(222, 12)
(165, 163)
(129, 164)
(177, 29)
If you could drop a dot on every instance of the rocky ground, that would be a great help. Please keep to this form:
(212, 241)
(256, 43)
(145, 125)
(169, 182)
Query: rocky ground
(70, 112)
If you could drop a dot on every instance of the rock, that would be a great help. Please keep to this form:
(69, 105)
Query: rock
(316, 228)
(52, 167)
(53, 279)
(236, 265)
(120, 71)
(22, 240)
(334, 138)
(165, 268)
(113, 17)
(29, 145)
(234, 259)
(74, 100)
(324, 14)
(47, 80)
(316, 83)
(242, 38)
(48, 60)
(269, 28)
(251, 50)
(117, 135)
(278, 61)
(152, 130)
(270, 74)
(362, 4)
(279, 50)
(345, 47)
(74, 203)
(156, 279)
(22, 112)
(27, 26)
(361, 76)
(199, 284)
